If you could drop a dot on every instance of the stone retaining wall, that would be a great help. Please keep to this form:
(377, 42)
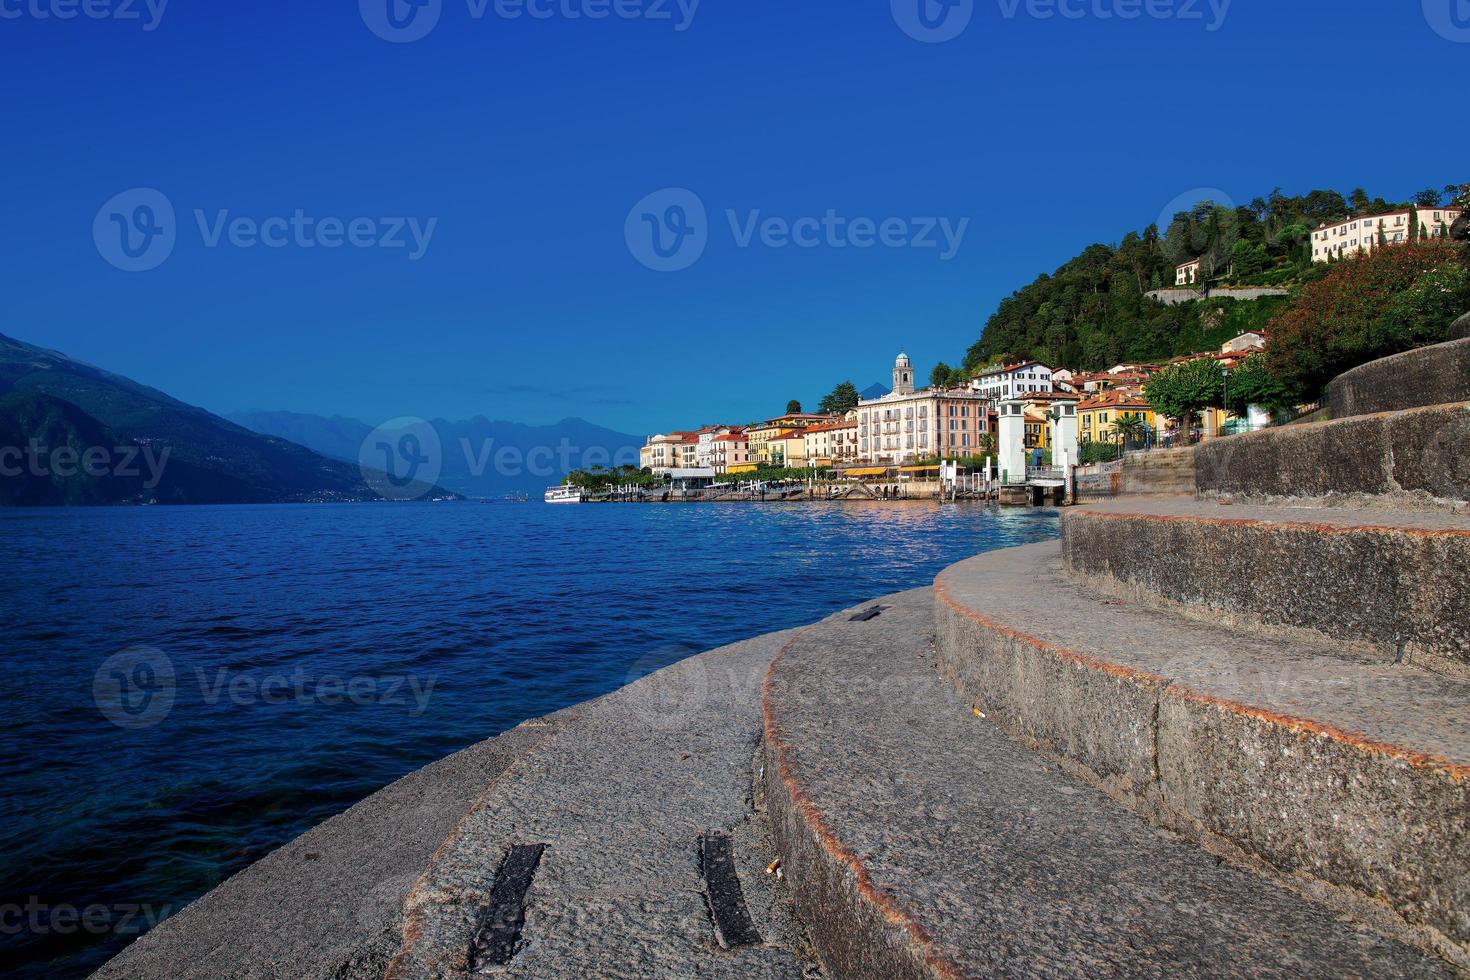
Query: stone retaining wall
(1435, 375)
(1419, 455)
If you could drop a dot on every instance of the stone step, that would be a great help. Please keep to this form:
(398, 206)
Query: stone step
(922, 841)
(1351, 776)
(1391, 584)
(1416, 456)
(634, 805)
(329, 903)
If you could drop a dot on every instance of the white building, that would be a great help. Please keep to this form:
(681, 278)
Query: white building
(1013, 381)
(908, 425)
(1365, 235)
(1187, 273)
(1251, 340)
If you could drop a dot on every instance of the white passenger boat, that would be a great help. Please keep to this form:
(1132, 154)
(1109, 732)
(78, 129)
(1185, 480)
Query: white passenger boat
(564, 495)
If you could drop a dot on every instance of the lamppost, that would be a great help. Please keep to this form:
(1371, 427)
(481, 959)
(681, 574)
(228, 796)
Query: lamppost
(1225, 402)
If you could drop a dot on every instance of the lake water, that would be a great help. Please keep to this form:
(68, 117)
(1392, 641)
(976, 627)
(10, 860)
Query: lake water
(186, 689)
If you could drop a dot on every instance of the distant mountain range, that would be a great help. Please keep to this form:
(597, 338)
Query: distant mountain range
(479, 458)
(875, 390)
(71, 433)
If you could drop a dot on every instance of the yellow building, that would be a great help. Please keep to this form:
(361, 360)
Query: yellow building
(1038, 430)
(1098, 417)
(761, 435)
(786, 449)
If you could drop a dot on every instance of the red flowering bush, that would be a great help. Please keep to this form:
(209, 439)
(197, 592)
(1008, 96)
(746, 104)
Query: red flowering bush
(1368, 307)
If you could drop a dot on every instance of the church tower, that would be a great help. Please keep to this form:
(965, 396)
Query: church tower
(903, 376)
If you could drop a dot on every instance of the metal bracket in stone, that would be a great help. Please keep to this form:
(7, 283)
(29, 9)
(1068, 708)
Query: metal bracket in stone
(733, 925)
(499, 928)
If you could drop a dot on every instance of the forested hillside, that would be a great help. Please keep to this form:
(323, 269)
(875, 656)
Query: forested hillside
(1092, 312)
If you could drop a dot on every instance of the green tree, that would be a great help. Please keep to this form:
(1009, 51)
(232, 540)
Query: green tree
(842, 398)
(941, 376)
(1427, 198)
(1251, 383)
(1183, 390)
(793, 407)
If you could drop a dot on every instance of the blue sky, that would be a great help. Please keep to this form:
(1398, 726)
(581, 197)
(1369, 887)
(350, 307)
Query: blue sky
(528, 141)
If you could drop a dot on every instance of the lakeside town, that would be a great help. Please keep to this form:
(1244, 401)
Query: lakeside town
(974, 432)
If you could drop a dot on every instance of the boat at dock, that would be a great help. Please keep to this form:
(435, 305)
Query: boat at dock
(564, 495)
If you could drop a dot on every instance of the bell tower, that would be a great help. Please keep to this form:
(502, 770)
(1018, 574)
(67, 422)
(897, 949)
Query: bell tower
(903, 376)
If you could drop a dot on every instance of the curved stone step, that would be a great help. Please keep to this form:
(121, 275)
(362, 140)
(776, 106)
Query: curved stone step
(1418, 456)
(1352, 776)
(922, 841)
(329, 903)
(621, 803)
(1372, 578)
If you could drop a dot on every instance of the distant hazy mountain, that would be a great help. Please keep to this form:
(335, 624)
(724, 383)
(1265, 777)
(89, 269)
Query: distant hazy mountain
(875, 390)
(479, 458)
(74, 433)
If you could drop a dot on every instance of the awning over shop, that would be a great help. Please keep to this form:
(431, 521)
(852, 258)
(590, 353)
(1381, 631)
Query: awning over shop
(743, 468)
(918, 469)
(868, 471)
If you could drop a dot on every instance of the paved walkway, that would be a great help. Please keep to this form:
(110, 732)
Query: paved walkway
(620, 798)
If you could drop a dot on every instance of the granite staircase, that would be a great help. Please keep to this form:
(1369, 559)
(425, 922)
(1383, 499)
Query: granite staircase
(1220, 732)
(1163, 471)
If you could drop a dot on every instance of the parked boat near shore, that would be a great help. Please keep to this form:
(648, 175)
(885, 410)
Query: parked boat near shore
(564, 495)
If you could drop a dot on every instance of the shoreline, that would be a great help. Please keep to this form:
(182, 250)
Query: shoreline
(331, 902)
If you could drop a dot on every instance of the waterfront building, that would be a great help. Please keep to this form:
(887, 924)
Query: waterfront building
(1367, 234)
(661, 453)
(833, 444)
(1187, 273)
(908, 425)
(786, 448)
(730, 453)
(763, 432)
(1013, 380)
(689, 451)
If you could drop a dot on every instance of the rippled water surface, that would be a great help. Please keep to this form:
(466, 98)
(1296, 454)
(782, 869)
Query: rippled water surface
(317, 653)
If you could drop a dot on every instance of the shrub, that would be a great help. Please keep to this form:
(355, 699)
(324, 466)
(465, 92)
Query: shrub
(1367, 307)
